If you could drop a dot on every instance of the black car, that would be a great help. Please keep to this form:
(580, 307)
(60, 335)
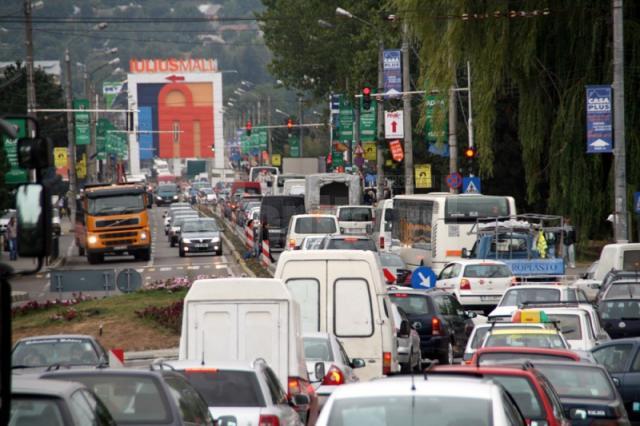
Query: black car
(138, 397)
(587, 392)
(166, 194)
(275, 214)
(620, 317)
(440, 320)
(621, 358)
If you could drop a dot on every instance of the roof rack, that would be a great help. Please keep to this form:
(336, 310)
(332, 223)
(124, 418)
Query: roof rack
(160, 364)
(546, 304)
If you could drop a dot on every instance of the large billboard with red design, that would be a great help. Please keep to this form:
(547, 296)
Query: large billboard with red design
(179, 109)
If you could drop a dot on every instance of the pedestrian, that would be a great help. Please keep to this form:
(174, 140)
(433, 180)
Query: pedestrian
(12, 236)
(569, 241)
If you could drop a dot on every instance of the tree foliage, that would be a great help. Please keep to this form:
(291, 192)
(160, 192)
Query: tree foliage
(536, 68)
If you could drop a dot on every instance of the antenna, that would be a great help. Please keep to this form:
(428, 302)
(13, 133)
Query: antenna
(413, 383)
(202, 362)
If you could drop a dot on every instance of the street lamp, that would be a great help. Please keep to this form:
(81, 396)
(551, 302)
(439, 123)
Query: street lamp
(282, 112)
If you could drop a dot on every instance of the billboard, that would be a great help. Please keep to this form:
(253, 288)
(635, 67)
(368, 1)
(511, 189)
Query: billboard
(179, 105)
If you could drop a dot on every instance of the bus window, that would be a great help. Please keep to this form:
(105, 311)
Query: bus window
(467, 209)
(412, 223)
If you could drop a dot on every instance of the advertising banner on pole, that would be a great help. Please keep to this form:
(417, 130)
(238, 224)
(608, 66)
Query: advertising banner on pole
(392, 71)
(345, 120)
(145, 139)
(61, 162)
(294, 146)
(394, 124)
(368, 122)
(599, 120)
(370, 151)
(83, 132)
(423, 176)
(15, 175)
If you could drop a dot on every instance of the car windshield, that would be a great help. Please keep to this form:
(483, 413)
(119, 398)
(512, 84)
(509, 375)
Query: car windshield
(116, 204)
(200, 226)
(517, 358)
(578, 381)
(351, 244)
(226, 388)
(45, 352)
(620, 309)
(27, 410)
(569, 324)
(624, 291)
(130, 398)
(405, 409)
(167, 189)
(391, 260)
(315, 225)
(522, 391)
(411, 304)
(487, 271)
(481, 332)
(355, 214)
(317, 349)
(529, 340)
(520, 295)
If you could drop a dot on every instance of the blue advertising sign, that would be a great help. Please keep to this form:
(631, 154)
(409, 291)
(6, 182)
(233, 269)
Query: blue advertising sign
(599, 116)
(423, 277)
(471, 185)
(392, 70)
(145, 122)
(522, 267)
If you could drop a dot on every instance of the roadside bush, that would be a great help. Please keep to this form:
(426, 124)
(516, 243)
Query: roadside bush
(167, 316)
(34, 305)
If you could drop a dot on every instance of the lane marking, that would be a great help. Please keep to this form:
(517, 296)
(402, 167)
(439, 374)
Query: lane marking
(164, 269)
(193, 267)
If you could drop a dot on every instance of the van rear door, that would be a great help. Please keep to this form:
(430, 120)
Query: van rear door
(309, 290)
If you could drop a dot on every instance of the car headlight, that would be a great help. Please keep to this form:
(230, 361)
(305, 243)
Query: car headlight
(158, 197)
(216, 239)
(186, 241)
(143, 235)
(92, 239)
(175, 197)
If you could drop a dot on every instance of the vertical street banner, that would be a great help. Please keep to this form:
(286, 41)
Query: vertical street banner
(101, 138)
(15, 175)
(423, 176)
(262, 139)
(110, 90)
(599, 120)
(83, 132)
(61, 162)
(345, 120)
(397, 153)
(337, 157)
(294, 145)
(145, 137)
(368, 122)
(392, 71)
(81, 167)
(370, 151)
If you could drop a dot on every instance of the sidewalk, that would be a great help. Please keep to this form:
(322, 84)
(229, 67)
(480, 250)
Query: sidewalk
(27, 263)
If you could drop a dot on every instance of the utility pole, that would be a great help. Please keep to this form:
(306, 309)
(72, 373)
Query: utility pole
(620, 208)
(31, 88)
(300, 113)
(406, 107)
(380, 138)
(453, 139)
(269, 144)
(91, 151)
(71, 138)
(356, 133)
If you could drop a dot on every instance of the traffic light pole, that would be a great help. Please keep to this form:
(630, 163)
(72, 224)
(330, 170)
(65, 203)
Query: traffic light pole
(380, 138)
(406, 106)
(301, 112)
(71, 144)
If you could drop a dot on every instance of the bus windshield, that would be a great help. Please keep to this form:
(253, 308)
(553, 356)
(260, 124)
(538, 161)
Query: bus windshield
(469, 208)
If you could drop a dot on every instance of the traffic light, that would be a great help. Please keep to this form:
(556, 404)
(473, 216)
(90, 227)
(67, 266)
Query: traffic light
(470, 153)
(366, 98)
(289, 126)
(248, 128)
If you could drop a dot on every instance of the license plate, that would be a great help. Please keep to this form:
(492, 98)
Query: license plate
(120, 248)
(202, 245)
(489, 298)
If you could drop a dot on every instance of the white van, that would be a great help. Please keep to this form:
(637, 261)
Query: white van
(309, 225)
(243, 319)
(355, 220)
(343, 292)
(619, 257)
(382, 221)
(293, 187)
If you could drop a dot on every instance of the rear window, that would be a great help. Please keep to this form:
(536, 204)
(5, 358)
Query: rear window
(520, 295)
(167, 188)
(578, 381)
(315, 225)
(306, 291)
(630, 260)
(552, 341)
(468, 209)
(620, 309)
(487, 271)
(523, 393)
(351, 244)
(355, 214)
(27, 410)
(412, 304)
(623, 291)
(569, 325)
(227, 388)
(353, 311)
(317, 349)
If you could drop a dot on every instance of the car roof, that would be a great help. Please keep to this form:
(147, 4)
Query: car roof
(416, 292)
(626, 340)
(540, 286)
(36, 386)
(301, 216)
(195, 364)
(56, 337)
(508, 325)
(510, 370)
(526, 350)
(523, 330)
(477, 262)
(347, 237)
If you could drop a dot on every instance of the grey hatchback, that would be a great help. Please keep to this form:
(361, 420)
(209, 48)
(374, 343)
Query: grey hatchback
(200, 235)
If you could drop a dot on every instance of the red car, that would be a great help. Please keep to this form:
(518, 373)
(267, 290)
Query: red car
(518, 355)
(531, 391)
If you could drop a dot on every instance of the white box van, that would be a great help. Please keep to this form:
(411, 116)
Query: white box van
(309, 225)
(343, 292)
(382, 221)
(355, 220)
(619, 257)
(242, 319)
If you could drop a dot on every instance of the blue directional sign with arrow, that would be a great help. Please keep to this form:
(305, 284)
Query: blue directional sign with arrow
(423, 278)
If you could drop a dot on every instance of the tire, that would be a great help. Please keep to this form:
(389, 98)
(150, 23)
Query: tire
(447, 358)
(181, 252)
(95, 258)
(219, 252)
(145, 255)
(80, 250)
(172, 243)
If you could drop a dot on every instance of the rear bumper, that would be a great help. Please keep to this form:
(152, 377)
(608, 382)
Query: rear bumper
(433, 347)
(478, 299)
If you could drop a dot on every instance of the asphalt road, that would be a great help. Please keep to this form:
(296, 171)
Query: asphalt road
(164, 263)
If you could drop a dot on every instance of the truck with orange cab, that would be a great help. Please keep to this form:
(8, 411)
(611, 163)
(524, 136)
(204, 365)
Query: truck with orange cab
(113, 220)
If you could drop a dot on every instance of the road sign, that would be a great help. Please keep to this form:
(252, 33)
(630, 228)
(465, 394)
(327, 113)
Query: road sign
(276, 160)
(60, 156)
(15, 174)
(396, 150)
(599, 120)
(393, 125)
(423, 277)
(454, 180)
(423, 176)
(129, 280)
(636, 202)
(370, 151)
(83, 132)
(471, 185)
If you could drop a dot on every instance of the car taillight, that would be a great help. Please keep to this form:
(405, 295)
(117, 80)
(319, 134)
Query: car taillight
(435, 326)
(294, 387)
(381, 243)
(386, 362)
(388, 275)
(333, 377)
(292, 244)
(465, 284)
(268, 420)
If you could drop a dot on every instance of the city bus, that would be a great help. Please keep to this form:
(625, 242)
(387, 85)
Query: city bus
(434, 228)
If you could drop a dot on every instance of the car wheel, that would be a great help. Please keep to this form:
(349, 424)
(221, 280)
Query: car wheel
(172, 243)
(181, 251)
(94, 258)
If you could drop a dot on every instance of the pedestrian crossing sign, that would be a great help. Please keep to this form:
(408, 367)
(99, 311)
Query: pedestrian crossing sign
(471, 185)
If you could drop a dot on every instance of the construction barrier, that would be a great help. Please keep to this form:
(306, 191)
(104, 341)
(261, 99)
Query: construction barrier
(248, 233)
(116, 358)
(265, 257)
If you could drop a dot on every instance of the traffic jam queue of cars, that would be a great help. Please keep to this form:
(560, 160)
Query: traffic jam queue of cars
(350, 330)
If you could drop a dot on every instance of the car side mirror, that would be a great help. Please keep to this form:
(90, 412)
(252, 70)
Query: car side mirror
(616, 381)
(358, 363)
(33, 214)
(584, 275)
(300, 399)
(465, 253)
(318, 369)
(470, 314)
(578, 414)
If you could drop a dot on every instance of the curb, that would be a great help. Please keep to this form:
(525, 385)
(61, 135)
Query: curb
(19, 296)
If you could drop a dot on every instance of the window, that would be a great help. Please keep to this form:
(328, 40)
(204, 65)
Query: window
(579, 381)
(343, 354)
(116, 204)
(306, 291)
(35, 411)
(81, 411)
(487, 271)
(412, 304)
(623, 291)
(447, 272)
(278, 396)
(510, 410)
(353, 313)
(192, 409)
(570, 325)
(226, 388)
(613, 357)
(521, 295)
(317, 349)
(630, 260)
(466, 209)
(316, 225)
(355, 214)
(523, 394)
(456, 307)
(412, 223)
(102, 414)
(444, 305)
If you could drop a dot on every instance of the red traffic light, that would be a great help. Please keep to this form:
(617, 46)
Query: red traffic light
(366, 98)
(249, 126)
(366, 91)
(470, 152)
(289, 124)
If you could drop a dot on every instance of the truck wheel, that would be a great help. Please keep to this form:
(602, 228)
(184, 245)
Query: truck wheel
(181, 252)
(94, 258)
(144, 255)
(80, 250)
